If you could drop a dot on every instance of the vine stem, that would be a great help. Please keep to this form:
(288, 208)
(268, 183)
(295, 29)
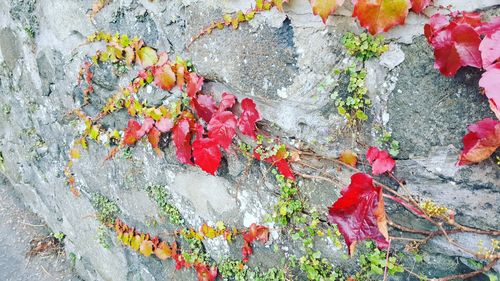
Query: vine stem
(387, 260)
(486, 268)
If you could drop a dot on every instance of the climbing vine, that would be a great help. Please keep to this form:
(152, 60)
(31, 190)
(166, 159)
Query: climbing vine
(203, 129)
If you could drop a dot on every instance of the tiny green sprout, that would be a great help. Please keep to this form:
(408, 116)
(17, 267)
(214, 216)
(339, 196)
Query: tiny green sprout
(364, 46)
(59, 236)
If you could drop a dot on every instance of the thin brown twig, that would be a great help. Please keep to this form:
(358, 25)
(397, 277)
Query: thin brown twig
(486, 268)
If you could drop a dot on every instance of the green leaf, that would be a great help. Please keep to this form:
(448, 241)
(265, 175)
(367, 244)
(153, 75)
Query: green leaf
(147, 56)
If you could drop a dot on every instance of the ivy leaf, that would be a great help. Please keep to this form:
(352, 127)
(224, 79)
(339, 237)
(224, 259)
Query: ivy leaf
(248, 118)
(380, 15)
(181, 136)
(146, 248)
(349, 157)
(482, 140)
(163, 251)
(469, 18)
(380, 160)
(136, 242)
(130, 136)
(227, 102)
(489, 47)
(194, 84)
(204, 106)
(222, 128)
(325, 8)
(147, 56)
(418, 6)
(360, 213)
(147, 124)
(206, 154)
(164, 124)
(490, 81)
(488, 28)
(164, 77)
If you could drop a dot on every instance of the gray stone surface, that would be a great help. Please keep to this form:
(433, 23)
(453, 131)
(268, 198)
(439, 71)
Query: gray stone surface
(278, 60)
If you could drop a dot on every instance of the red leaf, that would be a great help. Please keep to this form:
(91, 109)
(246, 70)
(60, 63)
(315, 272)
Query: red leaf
(248, 118)
(222, 128)
(380, 160)
(490, 49)
(360, 213)
(380, 15)
(482, 140)
(204, 106)
(181, 135)
(227, 101)
(206, 154)
(418, 6)
(279, 162)
(456, 46)
(469, 18)
(325, 8)
(490, 81)
(130, 136)
(164, 124)
(194, 84)
(436, 23)
(164, 77)
(488, 28)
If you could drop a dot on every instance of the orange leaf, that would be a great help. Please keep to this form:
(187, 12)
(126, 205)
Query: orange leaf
(146, 248)
(163, 251)
(381, 15)
(74, 153)
(324, 8)
(349, 157)
(482, 140)
(164, 77)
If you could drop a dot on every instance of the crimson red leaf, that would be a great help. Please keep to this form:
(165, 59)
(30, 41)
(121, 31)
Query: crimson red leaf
(436, 23)
(380, 160)
(164, 124)
(181, 136)
(164, 77)
(380, 15)
(456, 46)
(222, 128)
(360, 213)
(206, 154)
(130, 136)
(279, 162)
(227, 101)
(490, 81)
(204, 106)
(248, 118)
(482, 140)
(490, 49)
(419, 5)
(463, 17)
(194, 84)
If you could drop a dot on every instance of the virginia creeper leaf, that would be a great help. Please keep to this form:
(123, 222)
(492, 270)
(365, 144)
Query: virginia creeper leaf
(227, 102)
(490, 81)
(130, 136)
(194, 84)
(456, 46)
(325, 8)
(418, 6)
(206, 154)
(349, 157)
(482, 140)
(164, 124)
(490, 48)
(154, 139)
(147, 56)
(147, 124)
(222, 128)
(163, 251)
(380, 15)
(380, 160)
(360, 213)
(248, 118)
(164, 77)
(181, 136)
(146, 248)
(204, 106)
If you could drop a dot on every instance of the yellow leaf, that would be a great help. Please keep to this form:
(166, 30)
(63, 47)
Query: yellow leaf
(146, 248)
(74, 153)
(349, 157)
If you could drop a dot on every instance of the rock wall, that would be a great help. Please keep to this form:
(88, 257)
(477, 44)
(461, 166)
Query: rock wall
(278, 60)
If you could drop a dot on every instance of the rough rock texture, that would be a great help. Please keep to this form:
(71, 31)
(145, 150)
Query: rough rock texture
(278, 60)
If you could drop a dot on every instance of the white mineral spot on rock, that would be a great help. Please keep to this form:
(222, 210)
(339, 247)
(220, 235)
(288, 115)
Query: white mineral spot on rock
(282, 93)
(149, 89)
(393, 57)
(249, 218)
